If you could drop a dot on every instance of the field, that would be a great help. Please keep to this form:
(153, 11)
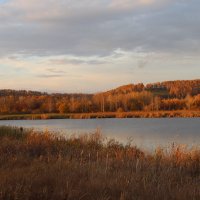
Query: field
(135, 114)
(44, 166)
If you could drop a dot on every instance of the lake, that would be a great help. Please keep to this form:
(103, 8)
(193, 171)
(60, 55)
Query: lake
(145, 133)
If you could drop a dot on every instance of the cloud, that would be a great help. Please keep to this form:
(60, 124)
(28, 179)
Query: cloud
(78, 61)
(97, 39)
(142, 64)
(55, 27)
(129, 4)
(119, 68)
(55, 70)
(49, 75)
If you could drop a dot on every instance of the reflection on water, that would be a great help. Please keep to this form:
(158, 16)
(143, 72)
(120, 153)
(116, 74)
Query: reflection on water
(145, 133)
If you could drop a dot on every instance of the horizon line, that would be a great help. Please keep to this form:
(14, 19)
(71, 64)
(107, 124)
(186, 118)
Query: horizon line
(106, 90)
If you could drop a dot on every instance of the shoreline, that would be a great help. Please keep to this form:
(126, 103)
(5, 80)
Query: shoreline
(135, 114)
(38, 166)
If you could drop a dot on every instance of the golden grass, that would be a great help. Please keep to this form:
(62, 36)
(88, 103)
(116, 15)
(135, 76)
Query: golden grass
(135, 114)
(44, 166)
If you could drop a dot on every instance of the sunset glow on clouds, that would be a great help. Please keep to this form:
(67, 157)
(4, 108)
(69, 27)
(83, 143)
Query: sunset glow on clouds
(93, 45)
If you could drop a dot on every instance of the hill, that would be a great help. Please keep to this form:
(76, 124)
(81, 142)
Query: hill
(168, 95)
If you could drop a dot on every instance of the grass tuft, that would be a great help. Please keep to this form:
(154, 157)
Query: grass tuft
(36, 166)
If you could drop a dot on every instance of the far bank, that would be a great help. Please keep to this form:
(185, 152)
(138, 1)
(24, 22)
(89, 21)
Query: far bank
(136, 114)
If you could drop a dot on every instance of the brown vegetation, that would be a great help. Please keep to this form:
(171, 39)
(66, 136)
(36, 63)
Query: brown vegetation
(118, 114)
(166, 96)
(36, 166)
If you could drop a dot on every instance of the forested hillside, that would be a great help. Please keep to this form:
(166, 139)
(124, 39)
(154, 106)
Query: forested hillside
(169, 95)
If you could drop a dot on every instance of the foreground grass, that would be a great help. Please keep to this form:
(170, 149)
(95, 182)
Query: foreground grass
(135, 114)
(42, 166)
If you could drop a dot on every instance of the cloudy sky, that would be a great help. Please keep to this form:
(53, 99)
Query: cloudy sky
(94, 45)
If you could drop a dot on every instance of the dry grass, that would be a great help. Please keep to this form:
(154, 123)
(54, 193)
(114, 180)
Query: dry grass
(134, 114)
(42, 166)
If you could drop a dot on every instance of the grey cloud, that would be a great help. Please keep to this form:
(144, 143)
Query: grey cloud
(77, 61)
(171, 28)
(49, 75)
(58, 76)
(55, 70)
(142, 64)
(96, 62)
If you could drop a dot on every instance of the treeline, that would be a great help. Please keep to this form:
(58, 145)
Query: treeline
(20, 93)
(171, 95)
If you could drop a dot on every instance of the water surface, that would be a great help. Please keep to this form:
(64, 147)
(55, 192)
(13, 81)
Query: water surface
(145, 133)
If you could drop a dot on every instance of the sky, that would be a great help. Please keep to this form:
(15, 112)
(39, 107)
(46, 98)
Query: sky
(95, 45)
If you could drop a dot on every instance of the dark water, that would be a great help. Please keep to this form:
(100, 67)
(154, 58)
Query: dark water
(145, 133)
